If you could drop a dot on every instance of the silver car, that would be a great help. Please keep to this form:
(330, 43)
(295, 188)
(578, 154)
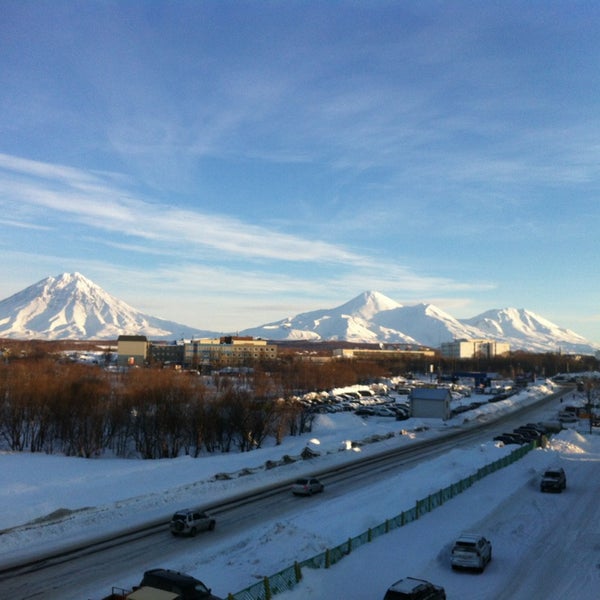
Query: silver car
(190, 522)
(307, 486)
(471, 551)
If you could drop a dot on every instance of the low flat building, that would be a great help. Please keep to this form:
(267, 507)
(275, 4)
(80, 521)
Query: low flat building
(382, 353)
(430, 403)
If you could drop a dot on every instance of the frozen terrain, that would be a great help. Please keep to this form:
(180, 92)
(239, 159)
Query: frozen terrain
(545, 546)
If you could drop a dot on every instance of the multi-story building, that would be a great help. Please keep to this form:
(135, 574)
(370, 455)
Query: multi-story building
(132, 350)
(167, 353)
(227, 351)
(473, 348)
(135, 350)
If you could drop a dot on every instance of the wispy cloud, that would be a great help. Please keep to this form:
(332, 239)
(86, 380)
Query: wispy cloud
(86, 199)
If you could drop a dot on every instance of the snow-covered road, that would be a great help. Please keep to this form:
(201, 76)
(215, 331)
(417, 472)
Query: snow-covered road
(545, 546)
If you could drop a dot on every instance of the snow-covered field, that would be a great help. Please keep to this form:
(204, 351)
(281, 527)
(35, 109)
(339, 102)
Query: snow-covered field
(545, 546)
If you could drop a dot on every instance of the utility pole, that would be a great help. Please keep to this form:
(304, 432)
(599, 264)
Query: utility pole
(589, 402)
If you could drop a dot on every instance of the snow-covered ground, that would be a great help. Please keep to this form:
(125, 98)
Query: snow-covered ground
(545, 546)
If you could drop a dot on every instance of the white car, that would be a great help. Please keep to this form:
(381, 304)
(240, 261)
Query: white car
(307, 486)
(190, 522)
(471, 551)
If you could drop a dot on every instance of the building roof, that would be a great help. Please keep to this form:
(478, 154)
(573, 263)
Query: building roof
(430, 393)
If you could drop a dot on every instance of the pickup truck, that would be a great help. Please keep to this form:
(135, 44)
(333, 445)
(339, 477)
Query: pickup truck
(553, 480)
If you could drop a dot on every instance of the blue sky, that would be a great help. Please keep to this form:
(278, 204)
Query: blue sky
(226, 164)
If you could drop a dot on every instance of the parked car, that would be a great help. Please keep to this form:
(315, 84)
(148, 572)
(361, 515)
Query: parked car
(188, 587)
(411, 588)
(529, 434)
(510, 438)
(553, 480)
(307, 486)
(471, 551)
(567, 417)
(190, 522)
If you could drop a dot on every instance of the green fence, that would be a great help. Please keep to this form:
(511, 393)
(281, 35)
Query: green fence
(289, 577)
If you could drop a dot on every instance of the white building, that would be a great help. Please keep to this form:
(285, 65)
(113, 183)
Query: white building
(473, 348)
(430, 403)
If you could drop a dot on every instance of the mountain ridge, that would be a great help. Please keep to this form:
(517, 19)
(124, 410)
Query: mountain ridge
(70, 306)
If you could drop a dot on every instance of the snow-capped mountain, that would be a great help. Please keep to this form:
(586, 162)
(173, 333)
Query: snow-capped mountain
(514, 325)
(370, 317)
(70, 306)
(353, 321)
(373, 317)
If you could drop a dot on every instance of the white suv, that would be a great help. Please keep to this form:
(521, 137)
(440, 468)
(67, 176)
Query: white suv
(471, 551)
(190, 522)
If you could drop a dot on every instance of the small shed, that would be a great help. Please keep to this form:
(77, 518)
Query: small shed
(430, 403)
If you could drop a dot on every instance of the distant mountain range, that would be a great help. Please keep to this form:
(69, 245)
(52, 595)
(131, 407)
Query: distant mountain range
(70, 306)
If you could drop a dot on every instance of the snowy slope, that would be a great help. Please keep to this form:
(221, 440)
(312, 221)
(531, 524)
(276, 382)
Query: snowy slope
(352, 321)
(373, 317)
(426, 323)
(532, 533)
(70, 306)
(513, 325)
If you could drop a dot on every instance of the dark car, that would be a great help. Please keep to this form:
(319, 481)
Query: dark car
(553, 480)
(510, 438)
(528, 433)
(188, 587)
(411, 588)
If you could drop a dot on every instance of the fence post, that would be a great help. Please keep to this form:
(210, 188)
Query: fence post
(327, 559)
(349, 548)
(267, 588)
(297, 571)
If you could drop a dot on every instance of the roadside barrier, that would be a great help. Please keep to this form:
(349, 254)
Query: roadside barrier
(290, 576)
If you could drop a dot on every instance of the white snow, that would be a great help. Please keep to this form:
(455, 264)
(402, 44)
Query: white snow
(545, 546)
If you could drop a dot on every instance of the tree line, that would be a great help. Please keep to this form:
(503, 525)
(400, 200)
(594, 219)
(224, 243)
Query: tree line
(52, 405)
(48, 404)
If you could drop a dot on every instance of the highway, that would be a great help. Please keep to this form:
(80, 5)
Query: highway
(109, 562)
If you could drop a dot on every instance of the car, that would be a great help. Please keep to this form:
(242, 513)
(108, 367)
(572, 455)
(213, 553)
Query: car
(538, 427)
(186, 586)
(553, 480)
(411, 588)
(471, 551)
(190, 522)
(307, 486)
(529, 434)
(509, 438)
(567, 417)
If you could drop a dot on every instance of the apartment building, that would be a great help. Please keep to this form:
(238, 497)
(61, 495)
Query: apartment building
(473, 348)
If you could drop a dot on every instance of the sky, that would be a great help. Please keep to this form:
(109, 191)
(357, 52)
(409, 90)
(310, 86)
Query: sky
(531, 533)
(229, 164)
